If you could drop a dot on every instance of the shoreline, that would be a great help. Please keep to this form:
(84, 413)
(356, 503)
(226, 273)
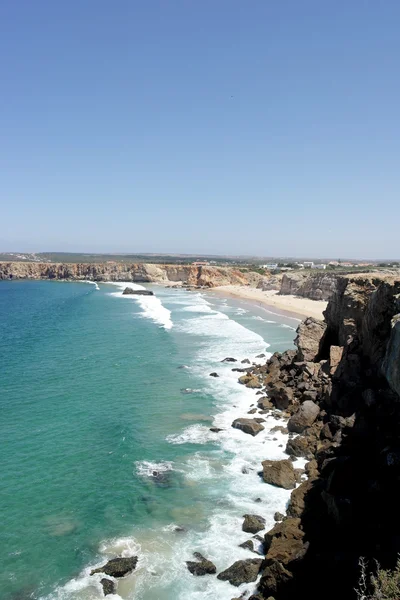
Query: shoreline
(285, 305)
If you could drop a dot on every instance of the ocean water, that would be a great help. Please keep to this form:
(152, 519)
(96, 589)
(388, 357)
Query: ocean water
(106, 404)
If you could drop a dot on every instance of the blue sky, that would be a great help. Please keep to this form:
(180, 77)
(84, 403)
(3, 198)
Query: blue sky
(205, 126)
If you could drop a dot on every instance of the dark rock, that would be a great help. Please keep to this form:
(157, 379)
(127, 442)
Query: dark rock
(214, 374)
(117, 567)
(279, 473)
(242, 571)
(130, 291)
(253, 523)
(284, 542)
(245, 361)
(273, 579)
(215, 429)
(252, 411)
(229, 359)
(109, 586)
(249, 426)
(260, 356)
(264, 403)
(203, 566)
(281, 395)
(247, 545)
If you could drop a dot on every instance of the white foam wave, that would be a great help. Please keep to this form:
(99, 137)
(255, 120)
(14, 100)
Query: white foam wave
(151, 306)
(148, 468)
(91, 282)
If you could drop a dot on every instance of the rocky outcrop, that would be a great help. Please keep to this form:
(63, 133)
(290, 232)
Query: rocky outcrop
(202, 566)
(192, 275)
(131, 292)
(117, 567)
(108, 586)
(318, 286)
(242, 571)
(310, 334)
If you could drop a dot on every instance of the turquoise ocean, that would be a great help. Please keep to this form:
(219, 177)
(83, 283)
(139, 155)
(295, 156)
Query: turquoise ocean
(106, 404)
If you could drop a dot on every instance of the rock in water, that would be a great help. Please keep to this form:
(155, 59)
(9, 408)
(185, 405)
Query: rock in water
(242, 571)
(249, 426)
(203, 566)
(279, 473)
(214, 374)
(130, 291)
(109, 586)
(304, 417)
(118, 567)
(253, 523)
(229, 359)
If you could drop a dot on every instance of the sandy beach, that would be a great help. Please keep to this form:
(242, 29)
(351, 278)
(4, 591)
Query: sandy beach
(293, 305)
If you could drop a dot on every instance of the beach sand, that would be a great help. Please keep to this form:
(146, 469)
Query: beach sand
(293, 305)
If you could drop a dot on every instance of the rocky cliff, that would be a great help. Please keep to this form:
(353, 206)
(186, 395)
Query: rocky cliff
(204, 276)
(341, 393)
(320, 286)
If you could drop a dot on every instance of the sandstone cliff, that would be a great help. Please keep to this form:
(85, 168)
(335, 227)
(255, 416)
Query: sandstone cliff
(205, 276)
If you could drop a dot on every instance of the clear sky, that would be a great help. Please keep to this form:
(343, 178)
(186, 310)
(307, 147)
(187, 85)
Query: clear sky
(261, 127)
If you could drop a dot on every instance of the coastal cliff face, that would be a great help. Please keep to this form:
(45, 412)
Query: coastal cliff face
(341, 393)
(204, 276)
(316, 287)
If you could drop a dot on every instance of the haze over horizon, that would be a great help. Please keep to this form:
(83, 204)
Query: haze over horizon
(200, 128)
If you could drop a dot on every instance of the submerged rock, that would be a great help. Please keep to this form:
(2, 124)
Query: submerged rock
(109, 586)
(214, 374)
(203, 566)
(249, 426)
(130, 291)
(215, 429)
(229, 359)
(242, 571)
(118, 567)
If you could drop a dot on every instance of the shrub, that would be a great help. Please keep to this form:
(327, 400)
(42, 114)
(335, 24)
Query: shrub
(383, 585)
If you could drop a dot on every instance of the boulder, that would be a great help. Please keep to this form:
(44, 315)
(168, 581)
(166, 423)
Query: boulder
(202, 566)
(284, 543)
(229, 359)
(250, 381)
(274, 577)
(301, 446)
(245, 361)
(214, 374)
(117, 567)
(249, 426)
(304, 417)
(109, 586)
(215, 429)
(253, 523)
(279, 473)
(310, 333)
(297, 499)
(280, 428)
(278, 516)
(130, 291)
(264, 403)
(281, 395)
(242, 571)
